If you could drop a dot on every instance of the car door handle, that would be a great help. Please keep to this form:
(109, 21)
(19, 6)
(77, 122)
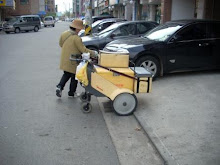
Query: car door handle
(203, 44)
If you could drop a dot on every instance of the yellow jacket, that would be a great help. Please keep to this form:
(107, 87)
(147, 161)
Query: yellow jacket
(71, 43)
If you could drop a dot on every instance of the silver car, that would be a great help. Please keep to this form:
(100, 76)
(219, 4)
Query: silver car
(22, 23)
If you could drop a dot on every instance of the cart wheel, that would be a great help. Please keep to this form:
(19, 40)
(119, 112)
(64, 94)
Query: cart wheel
(124, 104)
(86, 107)
(83, 97)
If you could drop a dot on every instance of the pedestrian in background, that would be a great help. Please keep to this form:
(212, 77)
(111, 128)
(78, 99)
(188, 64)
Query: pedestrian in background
(71, 43)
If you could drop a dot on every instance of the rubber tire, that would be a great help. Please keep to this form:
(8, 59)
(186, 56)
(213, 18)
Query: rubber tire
(119, 99)
(7, 32)
(36, 28)
(83, 97)
(92, 48)
(53, 25)
(86, 107)
(152, 59)
(17, 30)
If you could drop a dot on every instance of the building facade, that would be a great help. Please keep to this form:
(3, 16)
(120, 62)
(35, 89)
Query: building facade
(159, 10)
(6, 6)
(26, 7)
(50, 6)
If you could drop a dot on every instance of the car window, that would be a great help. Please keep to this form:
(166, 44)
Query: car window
(14, 19)
(163, 32)
(29, 19)
(96, 23)
(144, 27)
(110, 28)
(105, 25)
(125, 30)
(48, 19)
(24, 19)
(193, 32)
(213, 30)
(36, 18)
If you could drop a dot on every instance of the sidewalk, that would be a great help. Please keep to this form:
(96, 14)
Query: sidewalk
(181, 117)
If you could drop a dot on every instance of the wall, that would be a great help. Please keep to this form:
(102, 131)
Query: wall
(182, 9)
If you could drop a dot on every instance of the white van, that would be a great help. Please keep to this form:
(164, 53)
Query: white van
(49, 21)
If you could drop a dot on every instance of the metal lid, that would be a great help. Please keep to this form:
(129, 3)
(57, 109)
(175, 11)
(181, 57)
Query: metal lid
(141, 72)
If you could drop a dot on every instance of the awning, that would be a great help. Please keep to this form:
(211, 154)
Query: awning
(41, 13)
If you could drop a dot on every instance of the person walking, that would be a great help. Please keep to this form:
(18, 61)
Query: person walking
(71, 43)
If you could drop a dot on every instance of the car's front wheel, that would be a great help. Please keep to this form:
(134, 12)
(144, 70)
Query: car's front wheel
(17, 30)
(36, 28)
(151, 64)
(92, 48)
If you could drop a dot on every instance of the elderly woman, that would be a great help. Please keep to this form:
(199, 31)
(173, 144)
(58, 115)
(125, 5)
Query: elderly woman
(71, 43)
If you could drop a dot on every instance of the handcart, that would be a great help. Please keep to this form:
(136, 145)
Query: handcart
(119, 83)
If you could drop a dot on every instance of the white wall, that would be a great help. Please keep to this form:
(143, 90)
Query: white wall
(182, 9)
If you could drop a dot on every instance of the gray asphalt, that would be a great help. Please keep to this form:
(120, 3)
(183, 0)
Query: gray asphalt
(36, 127)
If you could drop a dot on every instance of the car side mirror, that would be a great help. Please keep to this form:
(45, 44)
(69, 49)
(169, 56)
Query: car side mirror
(99, 28)
(112, 36)
(174, 39)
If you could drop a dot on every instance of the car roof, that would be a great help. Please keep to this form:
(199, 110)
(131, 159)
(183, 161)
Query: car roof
(140, 21)
(101, 16)
(28, 16)
(111, 19)
(189, 21)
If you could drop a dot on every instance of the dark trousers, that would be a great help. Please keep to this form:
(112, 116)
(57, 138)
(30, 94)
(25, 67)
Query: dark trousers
(73, 83)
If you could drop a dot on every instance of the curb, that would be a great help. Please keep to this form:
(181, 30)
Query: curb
(132, 144)
(155, 140)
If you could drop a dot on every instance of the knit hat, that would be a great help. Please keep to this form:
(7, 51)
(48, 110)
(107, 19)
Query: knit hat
(77, 23)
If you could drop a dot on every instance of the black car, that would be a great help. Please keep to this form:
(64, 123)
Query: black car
(117, 30)
(100, 25)
(183, 45)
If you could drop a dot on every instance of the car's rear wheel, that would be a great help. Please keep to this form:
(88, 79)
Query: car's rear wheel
(151, 64)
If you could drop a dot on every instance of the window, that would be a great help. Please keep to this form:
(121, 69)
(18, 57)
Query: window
(105, 25)
(192, 32)
(213, 30)
(144, 27)
(36, 19)
(24, 2)
(125, 30)
(48, 19)
(24, 19)
(29, 19)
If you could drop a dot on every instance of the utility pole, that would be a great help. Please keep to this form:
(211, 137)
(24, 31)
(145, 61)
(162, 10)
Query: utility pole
(88, 17)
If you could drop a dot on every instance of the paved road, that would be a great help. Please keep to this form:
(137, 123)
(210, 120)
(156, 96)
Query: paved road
(37, 128)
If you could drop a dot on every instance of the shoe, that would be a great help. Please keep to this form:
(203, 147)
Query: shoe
(73, 94)
(58, 91)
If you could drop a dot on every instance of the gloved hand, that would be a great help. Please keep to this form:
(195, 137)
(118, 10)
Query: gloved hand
(96, 54)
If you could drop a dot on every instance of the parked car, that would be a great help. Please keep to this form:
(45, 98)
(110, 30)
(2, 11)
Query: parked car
(22, 23)
(100, 25)
(183, 45)
(49, 21)
(117, 31)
